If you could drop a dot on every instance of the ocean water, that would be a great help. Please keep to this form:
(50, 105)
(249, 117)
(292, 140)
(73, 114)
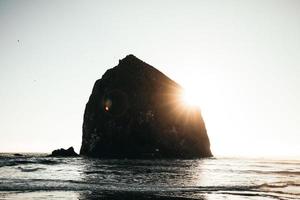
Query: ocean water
(35, 176)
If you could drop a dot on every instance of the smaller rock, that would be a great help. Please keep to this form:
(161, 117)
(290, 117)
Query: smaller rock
(64, 153)
(18, 155)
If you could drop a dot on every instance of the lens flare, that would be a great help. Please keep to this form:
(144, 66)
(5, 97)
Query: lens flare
(107, 105)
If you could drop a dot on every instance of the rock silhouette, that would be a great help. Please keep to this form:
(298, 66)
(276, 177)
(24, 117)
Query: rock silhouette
(64, 152)
(135, 111)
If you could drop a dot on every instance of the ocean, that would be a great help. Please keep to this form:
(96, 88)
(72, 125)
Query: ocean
(35, 176)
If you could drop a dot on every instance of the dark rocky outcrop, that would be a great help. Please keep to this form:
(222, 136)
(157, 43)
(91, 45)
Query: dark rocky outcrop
(64, 152)
(135, 111)
(18, 154)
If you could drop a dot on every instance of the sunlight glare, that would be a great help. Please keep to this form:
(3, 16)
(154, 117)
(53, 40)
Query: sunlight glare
(189, 98)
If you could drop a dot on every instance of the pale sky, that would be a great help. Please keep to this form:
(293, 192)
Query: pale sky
(240, 58)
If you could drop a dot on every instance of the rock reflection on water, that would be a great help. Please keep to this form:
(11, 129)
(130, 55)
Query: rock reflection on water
(143, 173)
(142, 178)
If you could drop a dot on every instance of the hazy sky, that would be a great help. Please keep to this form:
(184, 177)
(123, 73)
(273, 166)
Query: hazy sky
(241, 59)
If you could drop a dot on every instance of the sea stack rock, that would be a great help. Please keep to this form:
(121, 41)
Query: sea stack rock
(135, 111)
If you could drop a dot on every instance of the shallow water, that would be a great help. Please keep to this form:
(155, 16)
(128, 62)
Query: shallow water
(35, 176)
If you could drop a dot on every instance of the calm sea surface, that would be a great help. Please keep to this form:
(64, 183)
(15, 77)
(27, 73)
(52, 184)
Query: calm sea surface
(35, 176)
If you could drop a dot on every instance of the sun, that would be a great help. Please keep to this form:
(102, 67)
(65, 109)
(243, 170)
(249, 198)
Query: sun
(190, 98)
